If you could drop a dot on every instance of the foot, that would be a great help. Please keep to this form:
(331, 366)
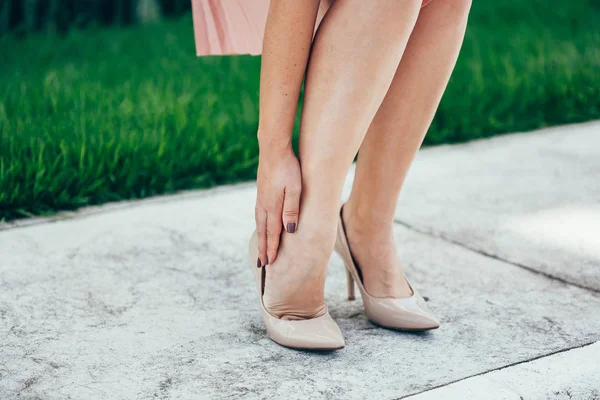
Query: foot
(374, 251)
(295, 282)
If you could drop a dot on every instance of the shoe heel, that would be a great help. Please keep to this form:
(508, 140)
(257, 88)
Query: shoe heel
(350, 281)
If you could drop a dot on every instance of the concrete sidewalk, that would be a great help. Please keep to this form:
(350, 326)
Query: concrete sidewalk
(154, 299)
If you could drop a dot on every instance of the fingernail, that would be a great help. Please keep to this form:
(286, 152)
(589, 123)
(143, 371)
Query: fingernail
(291, 227)
(258, 263)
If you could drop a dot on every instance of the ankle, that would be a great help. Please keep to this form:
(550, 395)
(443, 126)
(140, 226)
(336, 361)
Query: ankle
(367, 222)
(315, 241)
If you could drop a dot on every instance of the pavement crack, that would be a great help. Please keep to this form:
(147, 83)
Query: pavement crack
(484, 253)
(500, 368)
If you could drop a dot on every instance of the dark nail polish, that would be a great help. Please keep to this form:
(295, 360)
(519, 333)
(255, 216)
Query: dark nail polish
(291, 227)
(258, 263)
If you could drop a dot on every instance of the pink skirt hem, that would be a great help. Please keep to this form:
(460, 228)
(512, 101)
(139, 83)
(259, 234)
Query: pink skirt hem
(224, 27)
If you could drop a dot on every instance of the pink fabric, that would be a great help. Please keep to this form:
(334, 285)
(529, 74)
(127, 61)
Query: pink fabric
(229, 26)
(235, 26)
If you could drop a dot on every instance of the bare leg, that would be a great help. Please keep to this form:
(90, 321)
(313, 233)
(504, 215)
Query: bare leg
(354, 57)
(394, 137)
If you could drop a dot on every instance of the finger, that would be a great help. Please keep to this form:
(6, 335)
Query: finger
(273, 235)
(291, 209)
(261, 232)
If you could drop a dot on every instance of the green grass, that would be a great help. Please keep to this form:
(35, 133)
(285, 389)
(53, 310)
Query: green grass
(113, 114)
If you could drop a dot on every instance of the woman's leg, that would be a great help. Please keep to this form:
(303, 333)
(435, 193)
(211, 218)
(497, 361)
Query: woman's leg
(354, 56)
(394, 137)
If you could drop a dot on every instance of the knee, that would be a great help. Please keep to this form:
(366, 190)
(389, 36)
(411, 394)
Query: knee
(458, 8)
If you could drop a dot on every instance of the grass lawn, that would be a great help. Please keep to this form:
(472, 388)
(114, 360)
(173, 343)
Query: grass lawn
(114, 114)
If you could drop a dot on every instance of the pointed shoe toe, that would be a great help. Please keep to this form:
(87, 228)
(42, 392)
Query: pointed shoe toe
(410, 314)
(321, 333)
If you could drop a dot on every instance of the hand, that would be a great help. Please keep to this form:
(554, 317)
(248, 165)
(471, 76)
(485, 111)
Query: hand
(279, 184)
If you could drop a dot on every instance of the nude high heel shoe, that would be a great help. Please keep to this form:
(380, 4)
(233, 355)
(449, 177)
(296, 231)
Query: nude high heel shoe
(320, 333)
(410, 314)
